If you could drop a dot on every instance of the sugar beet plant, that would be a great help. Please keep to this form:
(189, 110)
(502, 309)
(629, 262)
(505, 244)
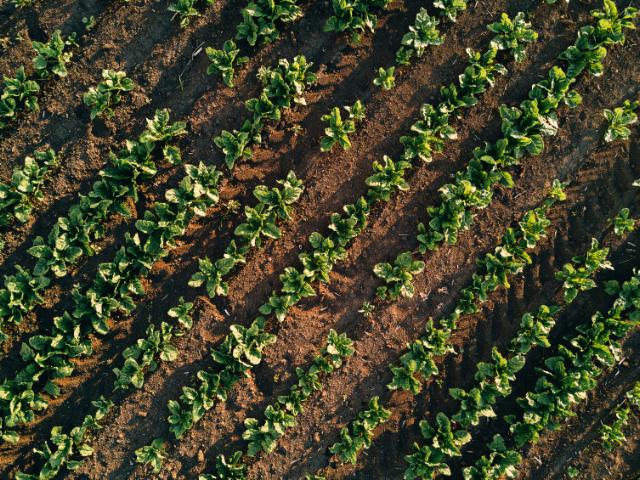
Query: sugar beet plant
(338, 130)
(24, 189)
(260, 19)
(242, 348)
(445, 439)
(278, 417)
(355, 17)
(619, 119)
(19, 93)
(144, 355)
(360, 435)
(513, 35)
(282, 87)
(564, 381)
(611, 433)
(73, 235)
(421, 35)
(185, 10)
(108, 93)
(225, 61)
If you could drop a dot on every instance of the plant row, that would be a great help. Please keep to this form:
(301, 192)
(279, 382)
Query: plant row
(494, 269)
(24, 189)
(74, 234)
(114, 288)
(564, 381)
(242, 349)
(494, 379)
(282, 87)
(119, 281)
(260, 223)
(280, 416)
(523, 130)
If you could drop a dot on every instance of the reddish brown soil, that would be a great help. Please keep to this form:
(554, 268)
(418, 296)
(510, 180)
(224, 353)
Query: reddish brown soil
(140, 38)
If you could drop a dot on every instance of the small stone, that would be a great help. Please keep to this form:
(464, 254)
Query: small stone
(200, 456)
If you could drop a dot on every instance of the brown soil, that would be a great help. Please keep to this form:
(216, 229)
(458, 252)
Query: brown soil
(170, 69)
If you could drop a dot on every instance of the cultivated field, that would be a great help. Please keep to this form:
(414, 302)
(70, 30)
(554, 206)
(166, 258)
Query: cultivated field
(286, 239)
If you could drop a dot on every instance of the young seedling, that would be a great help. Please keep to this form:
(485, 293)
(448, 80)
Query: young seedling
(623, 223)
(224, 61)
(339, 130)
(619, 119)
(108, 93)
(153, 454)
(512, 35)
(420, 36)
(52, 58)
(385, 78)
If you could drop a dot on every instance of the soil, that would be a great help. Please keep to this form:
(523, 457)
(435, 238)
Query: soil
(169, 66)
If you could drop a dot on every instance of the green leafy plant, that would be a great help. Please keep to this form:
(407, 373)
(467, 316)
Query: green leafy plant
(398, 277)
(153, 454)
(422, 34)
(576, 280)
(623, 223)
(225, 61)
(260, 18)
(182, 314)
(339, 130)
(385, 79)
(386, 179)
(367, 309)
(17, 198)
(354, 16)
(18, 92)
(478, 76)
(450, 9)
(501, 463)
(611, 435)
(227, 469)
(52, 58)
(428, 135)
(186, 10)
(89, 23)
(108, 93)
(282, 87)
(22, 3)
(359, 436)
(141, 356)
(619, 119)
(513, 35)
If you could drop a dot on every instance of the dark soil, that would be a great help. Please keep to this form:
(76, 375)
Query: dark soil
(169, 66)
